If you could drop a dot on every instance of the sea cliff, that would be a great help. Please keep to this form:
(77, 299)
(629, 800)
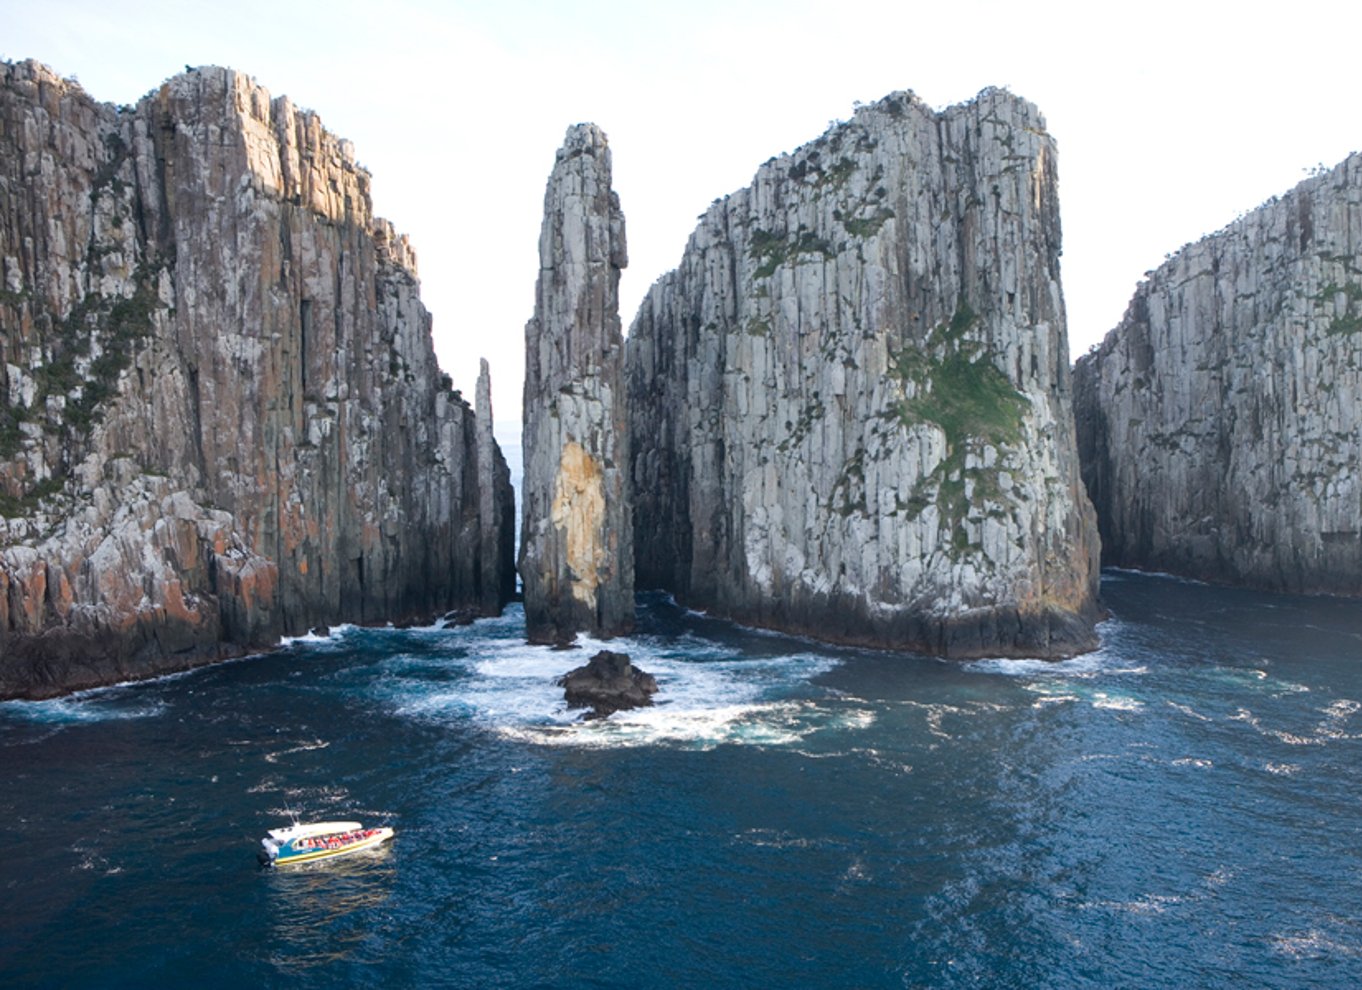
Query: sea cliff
(1220, 423)
(221, 417)
(849, 404)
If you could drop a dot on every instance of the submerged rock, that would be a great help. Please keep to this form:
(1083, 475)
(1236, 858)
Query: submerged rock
(221, 417)
(608, 683)
(850, 402)
(576, 555)
(1220, 423)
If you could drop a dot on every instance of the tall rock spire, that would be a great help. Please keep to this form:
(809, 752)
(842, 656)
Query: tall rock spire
(496, 507)
(576, 554)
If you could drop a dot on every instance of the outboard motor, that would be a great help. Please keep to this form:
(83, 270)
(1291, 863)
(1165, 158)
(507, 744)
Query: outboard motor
(266, 855)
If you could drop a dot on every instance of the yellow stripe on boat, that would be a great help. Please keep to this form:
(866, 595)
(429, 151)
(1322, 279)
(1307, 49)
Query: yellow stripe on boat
(368, 843)
(381, 834)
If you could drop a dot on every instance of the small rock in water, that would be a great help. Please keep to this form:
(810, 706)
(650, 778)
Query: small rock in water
(608, 683)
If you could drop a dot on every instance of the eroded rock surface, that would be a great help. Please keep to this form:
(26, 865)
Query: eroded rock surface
(576, 556)
(608, 683)
(850, 402)
(1220, 424)
(221, 418)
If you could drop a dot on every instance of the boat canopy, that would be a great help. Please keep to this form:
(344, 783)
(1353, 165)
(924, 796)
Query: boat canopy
(316, 828)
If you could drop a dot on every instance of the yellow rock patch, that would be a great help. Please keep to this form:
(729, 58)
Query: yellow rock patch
(578, 510)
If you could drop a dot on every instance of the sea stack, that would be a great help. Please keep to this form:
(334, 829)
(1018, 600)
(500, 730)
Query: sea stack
(221, 417)
(850, 402)
(496, 507)
(576, 555)
(1220, 423)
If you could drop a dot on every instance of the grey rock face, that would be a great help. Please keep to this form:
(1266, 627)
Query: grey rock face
(608, 683)
(221, 418)
(576, 556)
(849, 403)
(496, 507)
(1220, 424)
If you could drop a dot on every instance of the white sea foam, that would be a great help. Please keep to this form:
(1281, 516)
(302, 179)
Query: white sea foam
(326, 796)
(110, 702)
(935, 712)
(878, 759)
(334, 635)
(1148, 904)
(1220, 876)
(1342, 708)
(1098, 662)
(1114, 573)
(88, 858)
(1282, 769)
(88, 706)
(702, 728)
(1188, 711)
(1291, 739)
(1045, 698)
(708, 694)
(1120, 703)
(775, 839)
(1333, 727)
(302, 747)
(1313, 943)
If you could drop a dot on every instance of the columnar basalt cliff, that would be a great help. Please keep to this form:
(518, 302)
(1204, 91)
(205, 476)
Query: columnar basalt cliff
(1220, 424)
(576, 555)
(849, 404)
(221, 417)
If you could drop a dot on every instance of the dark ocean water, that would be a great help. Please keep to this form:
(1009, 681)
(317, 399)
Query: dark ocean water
(1180, 809)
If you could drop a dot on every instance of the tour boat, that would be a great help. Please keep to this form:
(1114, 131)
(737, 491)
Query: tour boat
(302, 843)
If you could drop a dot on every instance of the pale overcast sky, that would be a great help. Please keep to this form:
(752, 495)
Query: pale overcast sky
(1171, 117)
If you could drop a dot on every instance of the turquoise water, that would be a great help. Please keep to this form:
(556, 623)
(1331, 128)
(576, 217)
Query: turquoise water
(1179, 809)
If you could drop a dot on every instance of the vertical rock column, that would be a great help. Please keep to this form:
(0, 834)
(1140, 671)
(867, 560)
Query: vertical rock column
(576, 554)
(496, 508)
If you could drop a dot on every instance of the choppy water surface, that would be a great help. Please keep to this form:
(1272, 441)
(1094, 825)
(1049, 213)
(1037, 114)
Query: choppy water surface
(1179, 809)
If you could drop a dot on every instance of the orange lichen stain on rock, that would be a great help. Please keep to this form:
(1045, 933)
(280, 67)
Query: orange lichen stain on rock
(61, 597)
(32, 602)
(578, 510)
(258, 580)
(177, 608)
